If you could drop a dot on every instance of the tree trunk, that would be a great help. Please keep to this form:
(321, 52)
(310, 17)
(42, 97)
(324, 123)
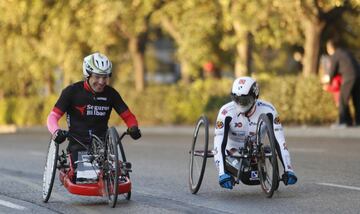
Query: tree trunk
(49, 84)
(185, 71)
(175, 34)
(137, 57)
(313, 32)
(243, 56)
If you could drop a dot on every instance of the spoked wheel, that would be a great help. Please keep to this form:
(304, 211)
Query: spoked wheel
(112, 167)
(278, 173)
(267, 164)
(122, 159)
(198, 154)
(50, 170)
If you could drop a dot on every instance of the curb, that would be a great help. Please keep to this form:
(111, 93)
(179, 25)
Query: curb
(8, 129)
(300, 131)
(290, 131)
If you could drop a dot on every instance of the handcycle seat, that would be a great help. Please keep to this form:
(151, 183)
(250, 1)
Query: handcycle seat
(86, 172)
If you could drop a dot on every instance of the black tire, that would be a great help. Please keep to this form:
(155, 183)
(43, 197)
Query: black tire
(112, 168)
(198, 154)
(127, 195)
(267, 163)
(278, 174)
(122, 159)
(50, 170)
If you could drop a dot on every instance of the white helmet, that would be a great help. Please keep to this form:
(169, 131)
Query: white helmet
(244, 93)
(96, 63)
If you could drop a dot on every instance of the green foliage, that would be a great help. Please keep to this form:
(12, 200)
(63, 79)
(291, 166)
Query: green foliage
(177, 104)
(314, 103)
(280, 92)
(48, 105)
(195, 32)
(3, 111)
(25, 111)
(149, 106)
(195, 100)
(298, 100)
(44, 42)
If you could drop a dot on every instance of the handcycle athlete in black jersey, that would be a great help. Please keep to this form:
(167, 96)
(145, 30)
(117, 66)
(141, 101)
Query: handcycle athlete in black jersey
(88, 105)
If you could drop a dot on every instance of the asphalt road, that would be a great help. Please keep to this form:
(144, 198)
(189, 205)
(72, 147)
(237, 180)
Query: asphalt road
(327, 163)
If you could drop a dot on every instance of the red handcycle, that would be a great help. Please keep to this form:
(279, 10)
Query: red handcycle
(254, 164)
(107, 157)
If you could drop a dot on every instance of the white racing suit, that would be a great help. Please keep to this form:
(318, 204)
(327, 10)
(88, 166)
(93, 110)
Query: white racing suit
(242, 127)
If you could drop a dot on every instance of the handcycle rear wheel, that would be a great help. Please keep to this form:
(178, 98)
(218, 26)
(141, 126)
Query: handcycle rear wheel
(198, 154)
(112, 167)
(50, 170)
(267, 164)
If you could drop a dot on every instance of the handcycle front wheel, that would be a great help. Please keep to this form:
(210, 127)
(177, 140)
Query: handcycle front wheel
(50, 170)
(267, 164)
(112, 167)
(198, 154)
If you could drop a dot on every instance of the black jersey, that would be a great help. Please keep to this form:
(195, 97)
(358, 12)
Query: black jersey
(88, 111)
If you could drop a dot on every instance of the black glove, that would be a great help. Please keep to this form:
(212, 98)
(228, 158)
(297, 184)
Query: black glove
(134, 132)
(59, 136)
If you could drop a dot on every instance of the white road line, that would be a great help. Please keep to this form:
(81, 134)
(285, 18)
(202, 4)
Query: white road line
(11, 205)
(55, 195)
(340, 186)
(33, 185)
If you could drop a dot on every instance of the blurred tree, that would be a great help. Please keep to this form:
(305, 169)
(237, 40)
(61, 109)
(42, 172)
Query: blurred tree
(61, 47)
(133, 23)
(44, 42)
(194, 26)
(346, 29)
(20, 36)
(313, 16)
(248, 24)
(71, 33)
(238, 24)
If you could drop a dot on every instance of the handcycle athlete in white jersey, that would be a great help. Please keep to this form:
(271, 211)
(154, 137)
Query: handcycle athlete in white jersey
(241, 116)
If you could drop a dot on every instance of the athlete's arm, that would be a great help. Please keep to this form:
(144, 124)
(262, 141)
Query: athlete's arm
(53, 120)
(59, 109)
(220, 139)
(129, 118)
(122, 109)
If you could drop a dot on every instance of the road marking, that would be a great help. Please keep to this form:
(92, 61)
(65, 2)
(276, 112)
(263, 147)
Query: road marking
(55, 195)
(340, 186)
(33, 185)
(11, 205)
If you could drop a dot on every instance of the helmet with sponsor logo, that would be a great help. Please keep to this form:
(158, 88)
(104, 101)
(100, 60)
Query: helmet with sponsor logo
(244, 93)
(96, 63)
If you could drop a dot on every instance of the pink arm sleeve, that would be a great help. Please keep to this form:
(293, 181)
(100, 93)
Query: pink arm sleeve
(52, 120)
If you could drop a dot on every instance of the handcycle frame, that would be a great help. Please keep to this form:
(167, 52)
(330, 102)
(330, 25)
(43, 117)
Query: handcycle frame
(257, 157)
(107, 156)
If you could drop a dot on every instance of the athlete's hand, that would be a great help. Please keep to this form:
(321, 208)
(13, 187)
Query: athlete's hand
(134, 132)
(59, 136)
